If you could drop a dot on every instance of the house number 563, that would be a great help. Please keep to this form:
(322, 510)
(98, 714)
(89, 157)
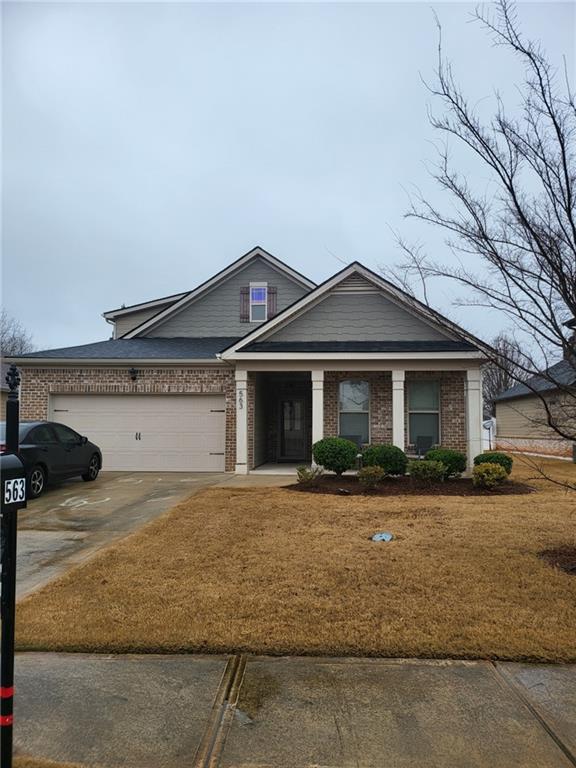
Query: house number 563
(240, 399)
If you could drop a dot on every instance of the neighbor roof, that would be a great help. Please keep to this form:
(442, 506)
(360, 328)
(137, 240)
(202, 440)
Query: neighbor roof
(562, 374)
(138, 349)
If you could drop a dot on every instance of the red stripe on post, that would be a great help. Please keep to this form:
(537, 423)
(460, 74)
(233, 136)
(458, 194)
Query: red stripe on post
(6, 693)
(6, 720)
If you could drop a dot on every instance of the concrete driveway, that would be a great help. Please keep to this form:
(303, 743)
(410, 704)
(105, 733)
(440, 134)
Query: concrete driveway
(71, 521)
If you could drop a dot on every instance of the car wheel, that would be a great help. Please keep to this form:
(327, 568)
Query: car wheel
(93, 469)
(36, 481)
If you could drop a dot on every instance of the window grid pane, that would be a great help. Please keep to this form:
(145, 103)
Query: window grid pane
(424, 396)
(258, 295)
(354, 396)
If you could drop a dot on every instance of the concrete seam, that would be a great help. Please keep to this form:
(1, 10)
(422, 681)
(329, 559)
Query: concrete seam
(519, 693)
(208, 752)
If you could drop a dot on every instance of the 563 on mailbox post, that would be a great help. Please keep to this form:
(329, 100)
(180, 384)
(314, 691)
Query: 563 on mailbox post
(12, 498)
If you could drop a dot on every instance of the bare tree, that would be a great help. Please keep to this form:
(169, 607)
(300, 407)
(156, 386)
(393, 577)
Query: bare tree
(497, 378)
(515, 244)
(14, 338)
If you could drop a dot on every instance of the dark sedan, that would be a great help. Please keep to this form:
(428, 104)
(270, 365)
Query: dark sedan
(52, 452)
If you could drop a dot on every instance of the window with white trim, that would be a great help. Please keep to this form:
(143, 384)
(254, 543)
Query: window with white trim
(423, 414)
(258, 302)
(354, 411)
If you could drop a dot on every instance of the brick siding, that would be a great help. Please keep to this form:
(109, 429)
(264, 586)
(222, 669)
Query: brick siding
(38, 383)
(452, 404)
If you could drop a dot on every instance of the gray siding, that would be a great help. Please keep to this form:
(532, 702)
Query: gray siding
(218, 312)
(127, 322)
(357, 317)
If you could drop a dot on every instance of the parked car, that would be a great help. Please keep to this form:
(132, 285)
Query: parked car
(51, 451)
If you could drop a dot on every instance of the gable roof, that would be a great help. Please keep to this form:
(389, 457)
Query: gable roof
(219, 277)
(349, 276)
(562, 373)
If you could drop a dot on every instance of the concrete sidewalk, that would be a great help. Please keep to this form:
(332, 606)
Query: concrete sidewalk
(262, 712)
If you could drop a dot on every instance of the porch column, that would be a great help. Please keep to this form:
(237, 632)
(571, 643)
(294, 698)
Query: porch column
(473, 414)
(317, 405)
(398, 438)
(241, 422)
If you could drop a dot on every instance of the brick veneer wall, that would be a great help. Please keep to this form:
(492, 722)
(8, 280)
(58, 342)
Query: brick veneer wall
(380, 402)
(38, 383)
(452, 406)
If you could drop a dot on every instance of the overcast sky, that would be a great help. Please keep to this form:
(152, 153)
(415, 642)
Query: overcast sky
(148, 145)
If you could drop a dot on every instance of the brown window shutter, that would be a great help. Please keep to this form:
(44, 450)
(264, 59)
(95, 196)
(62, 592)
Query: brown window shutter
(245, 305)
(272, 302)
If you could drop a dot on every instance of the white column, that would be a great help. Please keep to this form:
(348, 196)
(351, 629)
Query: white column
(398, 438)
(473, 413)
(241, 422)
(317, 406)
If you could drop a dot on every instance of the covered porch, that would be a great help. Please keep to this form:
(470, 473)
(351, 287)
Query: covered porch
(283, 409)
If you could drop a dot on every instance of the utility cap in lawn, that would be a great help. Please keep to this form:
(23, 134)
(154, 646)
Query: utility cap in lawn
(384, 536)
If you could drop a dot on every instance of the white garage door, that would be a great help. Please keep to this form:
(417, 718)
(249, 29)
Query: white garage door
(178, 433)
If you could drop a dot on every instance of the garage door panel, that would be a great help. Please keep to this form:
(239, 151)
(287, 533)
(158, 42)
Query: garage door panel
(176, 432)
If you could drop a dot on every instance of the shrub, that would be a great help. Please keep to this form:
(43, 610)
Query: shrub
(488, 475)
(392, 459)
(308, 475)
(335, 454)
(371, 476)
(454, 461)
(426, 472)
(494, 457)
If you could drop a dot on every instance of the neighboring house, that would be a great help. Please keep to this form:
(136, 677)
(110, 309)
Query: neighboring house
(258, 363)
(521, 417)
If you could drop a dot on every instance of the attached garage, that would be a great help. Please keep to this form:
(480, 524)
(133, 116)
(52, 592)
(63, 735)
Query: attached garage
(178, 433)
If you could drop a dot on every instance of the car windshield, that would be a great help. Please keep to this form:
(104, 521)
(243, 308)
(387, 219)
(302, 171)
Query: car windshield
(22, 431)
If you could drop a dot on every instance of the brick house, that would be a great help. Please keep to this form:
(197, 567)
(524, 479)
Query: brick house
(255, 365)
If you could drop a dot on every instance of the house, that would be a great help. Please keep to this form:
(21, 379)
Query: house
(258, 363)
(521, 416)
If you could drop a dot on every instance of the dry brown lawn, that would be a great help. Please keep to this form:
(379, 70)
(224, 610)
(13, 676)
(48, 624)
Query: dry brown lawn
(23, 761)
(273, 571)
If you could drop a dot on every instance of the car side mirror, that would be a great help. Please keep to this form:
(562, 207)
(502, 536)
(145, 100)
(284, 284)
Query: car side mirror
(83, 440)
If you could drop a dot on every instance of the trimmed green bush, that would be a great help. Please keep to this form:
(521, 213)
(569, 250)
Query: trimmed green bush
(336, 454)
(371, 476)
(454, 461)
(426, 472)
(488, 475)
(392, 459)
(494, 457)
(308, 475)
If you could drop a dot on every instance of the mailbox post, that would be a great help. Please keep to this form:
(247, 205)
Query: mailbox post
(12, 498)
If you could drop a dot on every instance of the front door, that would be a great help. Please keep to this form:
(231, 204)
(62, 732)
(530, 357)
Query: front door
(293, 430)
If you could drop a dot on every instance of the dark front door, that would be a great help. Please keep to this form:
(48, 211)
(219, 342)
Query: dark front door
(293, 429)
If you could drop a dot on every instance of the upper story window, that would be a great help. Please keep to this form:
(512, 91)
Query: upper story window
(258, 302)
(354, 409)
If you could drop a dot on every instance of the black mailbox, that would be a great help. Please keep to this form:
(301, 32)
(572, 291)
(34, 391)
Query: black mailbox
(13, 483)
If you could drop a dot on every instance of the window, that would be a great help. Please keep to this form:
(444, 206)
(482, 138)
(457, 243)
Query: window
(258, 302)
(65, 434)
(423, 414)
(355, 411)
(40, 435)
